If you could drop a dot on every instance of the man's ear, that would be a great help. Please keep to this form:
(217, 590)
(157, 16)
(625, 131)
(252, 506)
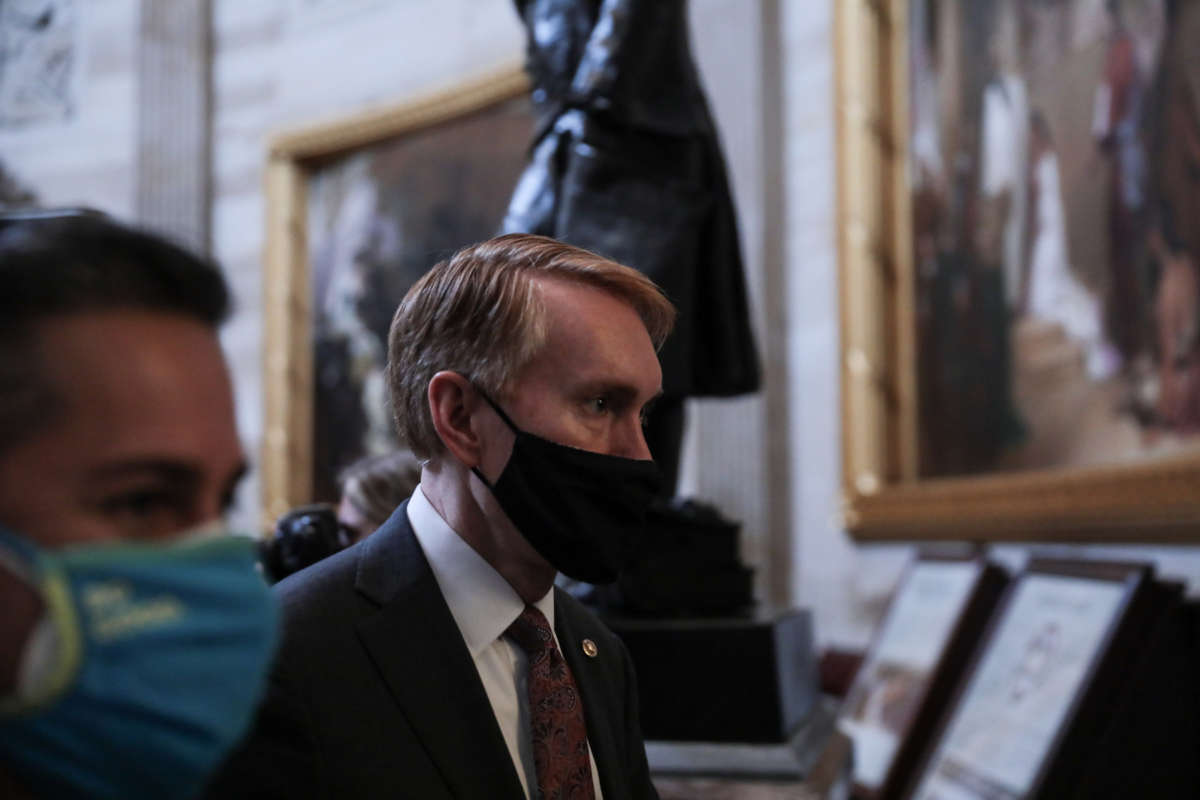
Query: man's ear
(452, 401)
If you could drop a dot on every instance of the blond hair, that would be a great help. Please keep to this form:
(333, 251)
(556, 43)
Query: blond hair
(479, 313)
(375, 485)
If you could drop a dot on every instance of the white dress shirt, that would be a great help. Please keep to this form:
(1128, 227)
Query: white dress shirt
(483, 605)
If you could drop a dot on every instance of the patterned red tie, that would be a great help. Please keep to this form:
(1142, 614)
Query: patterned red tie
(560, 748)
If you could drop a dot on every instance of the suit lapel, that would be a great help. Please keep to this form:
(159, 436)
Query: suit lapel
(420, 654)
(599, 698)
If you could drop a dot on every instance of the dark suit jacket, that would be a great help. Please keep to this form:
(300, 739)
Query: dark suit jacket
(374, 693)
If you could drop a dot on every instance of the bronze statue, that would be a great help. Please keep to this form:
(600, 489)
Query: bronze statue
(625, 162)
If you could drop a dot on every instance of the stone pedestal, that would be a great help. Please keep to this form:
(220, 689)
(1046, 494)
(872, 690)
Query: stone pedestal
(746, 679)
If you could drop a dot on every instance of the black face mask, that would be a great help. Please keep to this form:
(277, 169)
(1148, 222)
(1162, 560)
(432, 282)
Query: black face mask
(580, 510)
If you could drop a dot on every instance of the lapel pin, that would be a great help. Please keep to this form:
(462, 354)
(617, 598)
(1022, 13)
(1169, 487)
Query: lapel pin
(589, 648)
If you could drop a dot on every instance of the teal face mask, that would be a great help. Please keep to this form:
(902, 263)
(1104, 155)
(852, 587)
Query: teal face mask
(145, 669)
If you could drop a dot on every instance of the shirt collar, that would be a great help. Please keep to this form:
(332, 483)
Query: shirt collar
(481, 601)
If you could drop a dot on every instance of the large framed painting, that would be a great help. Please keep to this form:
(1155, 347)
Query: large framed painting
(357, 210)
(1019, 237)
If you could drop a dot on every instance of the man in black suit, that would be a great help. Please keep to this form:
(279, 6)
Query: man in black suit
(520, 372)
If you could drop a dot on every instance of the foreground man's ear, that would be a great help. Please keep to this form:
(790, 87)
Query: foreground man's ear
(452, 404)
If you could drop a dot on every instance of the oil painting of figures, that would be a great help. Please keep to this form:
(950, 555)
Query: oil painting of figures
(1055, 182)
(378, 219)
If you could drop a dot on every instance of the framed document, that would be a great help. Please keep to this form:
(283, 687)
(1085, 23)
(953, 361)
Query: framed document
(934, 622)
(1043, 689)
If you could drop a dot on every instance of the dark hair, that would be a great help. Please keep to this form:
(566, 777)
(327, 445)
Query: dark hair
(54, 263)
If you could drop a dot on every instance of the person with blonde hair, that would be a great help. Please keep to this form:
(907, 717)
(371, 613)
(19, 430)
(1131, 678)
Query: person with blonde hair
(372, 488)
(436, 658)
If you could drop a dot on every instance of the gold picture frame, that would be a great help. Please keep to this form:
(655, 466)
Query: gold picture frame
(884, 498)
(293, 156)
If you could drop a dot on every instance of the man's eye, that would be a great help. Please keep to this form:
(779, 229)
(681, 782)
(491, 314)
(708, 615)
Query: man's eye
(598, 405)
(139, 503)
(146, 513)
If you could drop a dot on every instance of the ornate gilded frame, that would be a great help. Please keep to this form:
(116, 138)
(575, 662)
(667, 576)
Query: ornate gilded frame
(883, 499)
(287, 447)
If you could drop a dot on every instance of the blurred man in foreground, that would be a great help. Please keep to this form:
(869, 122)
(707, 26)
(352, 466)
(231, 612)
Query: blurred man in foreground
(135, 636)
(435, 659)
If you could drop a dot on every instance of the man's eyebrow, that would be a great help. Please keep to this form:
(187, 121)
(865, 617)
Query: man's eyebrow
(171, 469)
